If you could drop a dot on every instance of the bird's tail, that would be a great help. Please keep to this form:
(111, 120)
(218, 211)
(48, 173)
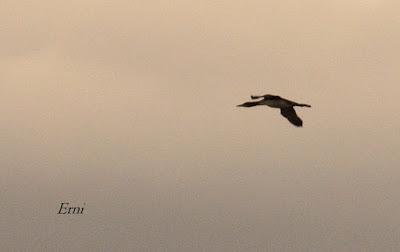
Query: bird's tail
(248, 104)
(303, 105)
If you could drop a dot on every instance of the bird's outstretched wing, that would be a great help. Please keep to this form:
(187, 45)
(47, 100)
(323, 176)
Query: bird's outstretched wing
(291, 115)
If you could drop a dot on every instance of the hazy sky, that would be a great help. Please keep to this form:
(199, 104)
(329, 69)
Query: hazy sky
(129, 107)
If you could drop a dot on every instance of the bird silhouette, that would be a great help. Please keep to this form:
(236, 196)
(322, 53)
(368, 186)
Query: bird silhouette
(274, 101)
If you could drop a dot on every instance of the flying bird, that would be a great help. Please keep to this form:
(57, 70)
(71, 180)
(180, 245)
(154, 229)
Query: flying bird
(275, 101)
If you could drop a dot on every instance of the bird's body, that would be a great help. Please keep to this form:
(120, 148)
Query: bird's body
(278, 103)
(275, 101)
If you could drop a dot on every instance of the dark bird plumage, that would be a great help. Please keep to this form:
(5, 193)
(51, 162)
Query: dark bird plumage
(274, 101)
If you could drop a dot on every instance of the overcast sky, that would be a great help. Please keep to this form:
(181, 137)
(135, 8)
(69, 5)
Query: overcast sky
(129, 107)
